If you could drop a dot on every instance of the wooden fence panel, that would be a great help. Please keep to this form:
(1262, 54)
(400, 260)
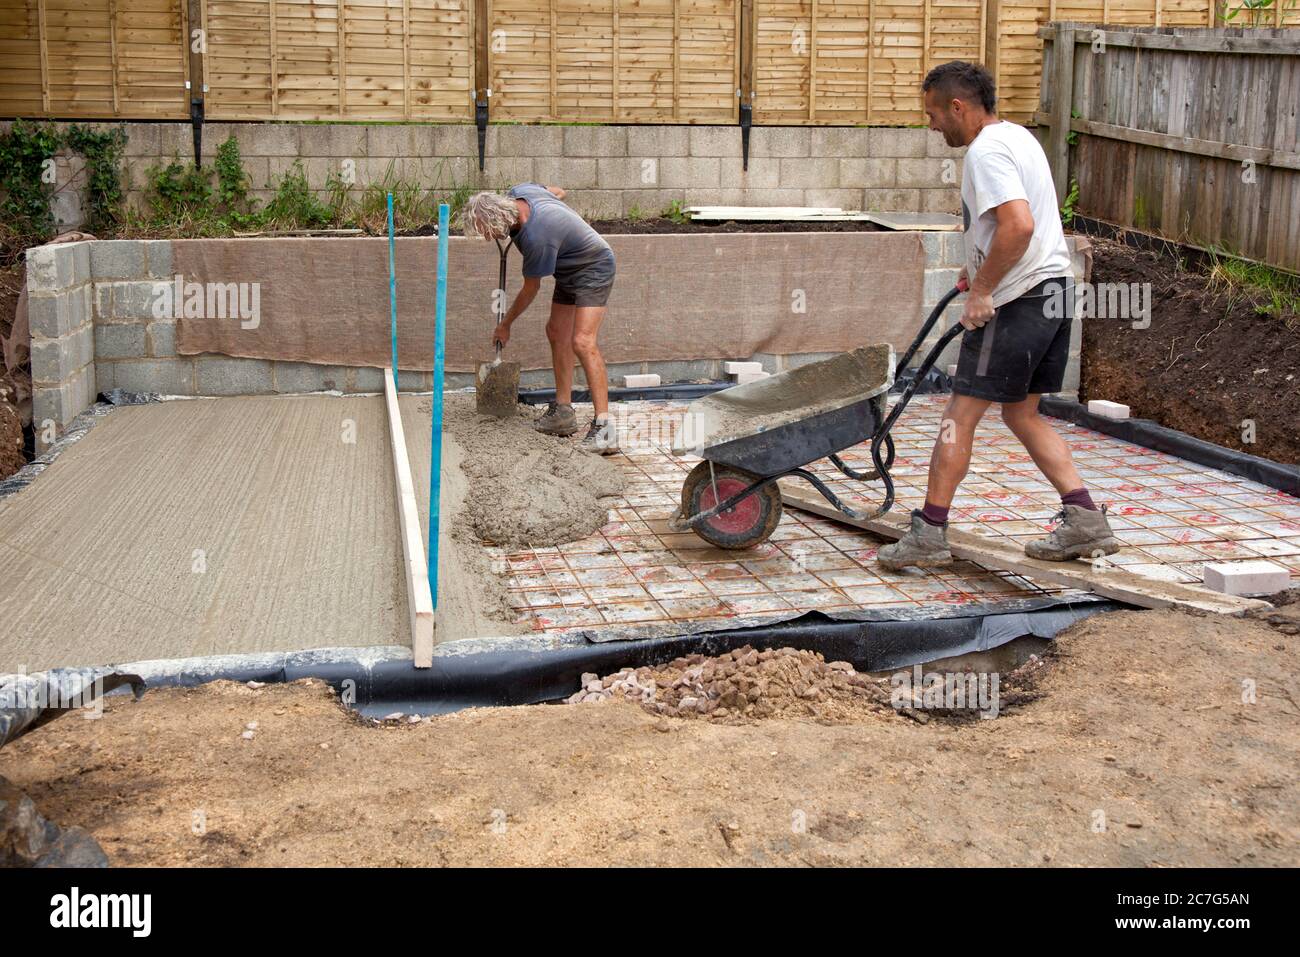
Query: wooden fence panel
(280, 59)
(1174, 136)
(96, 59)
(610, 61)
(22, 59)
(1019, 49)
(615, 61)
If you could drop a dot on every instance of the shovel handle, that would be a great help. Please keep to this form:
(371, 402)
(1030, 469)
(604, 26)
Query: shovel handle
(501, 286)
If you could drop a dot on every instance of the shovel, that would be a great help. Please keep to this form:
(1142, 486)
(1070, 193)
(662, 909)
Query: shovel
(497, 390)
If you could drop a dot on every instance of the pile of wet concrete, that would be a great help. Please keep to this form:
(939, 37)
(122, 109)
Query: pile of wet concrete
(745, 683)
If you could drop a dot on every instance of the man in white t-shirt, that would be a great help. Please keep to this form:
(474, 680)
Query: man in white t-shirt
(1018, 311)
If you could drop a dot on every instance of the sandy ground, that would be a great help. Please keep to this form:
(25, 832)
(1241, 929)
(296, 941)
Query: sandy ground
(1140, 726)
(210, 526)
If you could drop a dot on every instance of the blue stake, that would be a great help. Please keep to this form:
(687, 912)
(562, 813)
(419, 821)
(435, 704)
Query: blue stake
(392, 286)
(435, 438)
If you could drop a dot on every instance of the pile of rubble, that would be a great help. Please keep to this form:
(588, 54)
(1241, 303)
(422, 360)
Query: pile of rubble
(744, 682)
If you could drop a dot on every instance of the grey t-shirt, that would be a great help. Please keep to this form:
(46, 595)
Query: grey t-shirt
(557, 242)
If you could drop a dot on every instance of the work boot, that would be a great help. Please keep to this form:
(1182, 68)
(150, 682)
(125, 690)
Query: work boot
(601, 438)
(558, 419)
(1082, 533)
(923, 546)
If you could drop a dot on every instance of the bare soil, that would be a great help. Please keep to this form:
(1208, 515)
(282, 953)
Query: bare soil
(1209, 361)
(15, 384)
(1135, 745)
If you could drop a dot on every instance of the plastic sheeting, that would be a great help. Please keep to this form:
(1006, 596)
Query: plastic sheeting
(530, 670)
(29, 701)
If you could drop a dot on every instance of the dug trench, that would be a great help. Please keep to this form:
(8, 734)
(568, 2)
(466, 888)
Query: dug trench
(1212, 360)
(1142, 738)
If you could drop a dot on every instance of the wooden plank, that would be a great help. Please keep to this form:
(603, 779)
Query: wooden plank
(748, 28)
(275, 60)
(677, 60)
(342, 60)
(926, 41)
(871, 52)
(419, 598)
(933, 222)
(1191, 43)
(985, 58)
(615, 79)
(812, 61)
(1183, 144)
(1058, 144)
(1005, 555)
(45, 56)
(112, 47)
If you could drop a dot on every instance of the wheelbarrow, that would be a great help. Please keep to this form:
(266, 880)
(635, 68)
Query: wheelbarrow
(752, 436)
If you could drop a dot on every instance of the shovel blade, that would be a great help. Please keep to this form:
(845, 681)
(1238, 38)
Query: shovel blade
(497, 389)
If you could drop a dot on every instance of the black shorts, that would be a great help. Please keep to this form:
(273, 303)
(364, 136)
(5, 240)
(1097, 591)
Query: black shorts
(588, 286)
(581, 295)
(1024, 349)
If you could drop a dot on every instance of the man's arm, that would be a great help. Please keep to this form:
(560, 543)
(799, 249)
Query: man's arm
(556, 191)
(1011, 239)
(523, 300)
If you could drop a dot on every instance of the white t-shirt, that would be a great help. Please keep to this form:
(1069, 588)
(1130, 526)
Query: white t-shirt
(1003, 163)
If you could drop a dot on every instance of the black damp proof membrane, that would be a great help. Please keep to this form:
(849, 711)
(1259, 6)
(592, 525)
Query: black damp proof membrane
(507, 673)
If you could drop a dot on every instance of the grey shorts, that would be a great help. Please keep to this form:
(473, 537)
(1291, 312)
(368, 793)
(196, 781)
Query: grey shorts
(581, 295)
(589, 286)
(1024, 349)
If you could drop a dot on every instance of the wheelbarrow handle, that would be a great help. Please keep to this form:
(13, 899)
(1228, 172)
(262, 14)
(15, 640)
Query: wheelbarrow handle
(935, 313)
(882, 435)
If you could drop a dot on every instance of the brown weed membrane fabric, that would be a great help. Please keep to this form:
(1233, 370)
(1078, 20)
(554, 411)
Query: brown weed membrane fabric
(675, 297)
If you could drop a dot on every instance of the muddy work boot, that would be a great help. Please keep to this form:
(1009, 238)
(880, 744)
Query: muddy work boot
(601, 438)
(924, 546)
(1082, 533)
(557, 420)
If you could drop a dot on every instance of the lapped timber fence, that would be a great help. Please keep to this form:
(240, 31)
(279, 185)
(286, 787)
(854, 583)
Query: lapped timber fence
(790, 62)
(1193, 135)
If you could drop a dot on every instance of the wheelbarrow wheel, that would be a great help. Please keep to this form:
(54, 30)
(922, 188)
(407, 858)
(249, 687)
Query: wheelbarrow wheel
(748, 523)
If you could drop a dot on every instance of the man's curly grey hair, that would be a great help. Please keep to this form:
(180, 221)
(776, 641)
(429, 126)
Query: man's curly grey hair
(489, 216)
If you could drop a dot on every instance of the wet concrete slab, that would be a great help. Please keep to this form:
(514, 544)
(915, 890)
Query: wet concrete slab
(253, 525)
(207, 526)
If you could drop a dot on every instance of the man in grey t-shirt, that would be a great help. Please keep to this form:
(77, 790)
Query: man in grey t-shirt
(556, 241)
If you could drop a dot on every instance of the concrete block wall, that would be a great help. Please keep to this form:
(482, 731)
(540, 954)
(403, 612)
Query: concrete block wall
(60, 313)
(135, 350)
(610, 171)
(94, 329)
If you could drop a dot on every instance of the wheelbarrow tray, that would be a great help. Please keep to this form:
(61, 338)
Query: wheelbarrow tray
(789, 420)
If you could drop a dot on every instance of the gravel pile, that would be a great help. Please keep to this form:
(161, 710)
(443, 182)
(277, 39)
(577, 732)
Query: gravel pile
(745, 682)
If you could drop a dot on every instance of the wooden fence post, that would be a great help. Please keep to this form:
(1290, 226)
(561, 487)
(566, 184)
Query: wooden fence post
(482, 74)
(745, 94)
(1058, 144)
(196, 52)
(992, 8)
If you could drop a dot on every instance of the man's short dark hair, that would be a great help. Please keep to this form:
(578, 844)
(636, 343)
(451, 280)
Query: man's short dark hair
(960, 80)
